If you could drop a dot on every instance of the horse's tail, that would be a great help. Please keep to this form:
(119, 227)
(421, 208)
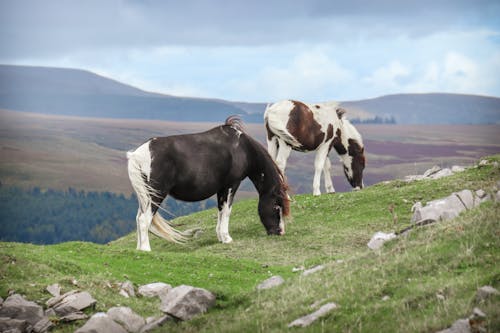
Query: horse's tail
(139, 172)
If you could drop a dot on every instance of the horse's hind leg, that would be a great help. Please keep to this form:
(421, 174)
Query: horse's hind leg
(319, 163)
(328, 177)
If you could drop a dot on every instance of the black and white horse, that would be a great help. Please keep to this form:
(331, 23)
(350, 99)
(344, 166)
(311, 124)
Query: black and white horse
(193, 167)
(316, 127)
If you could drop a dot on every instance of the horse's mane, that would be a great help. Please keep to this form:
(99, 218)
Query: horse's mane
(236, 122)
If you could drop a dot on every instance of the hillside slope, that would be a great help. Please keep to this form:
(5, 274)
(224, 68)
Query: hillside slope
(451, 259)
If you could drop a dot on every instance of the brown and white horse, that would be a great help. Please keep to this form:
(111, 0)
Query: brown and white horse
(315, 127)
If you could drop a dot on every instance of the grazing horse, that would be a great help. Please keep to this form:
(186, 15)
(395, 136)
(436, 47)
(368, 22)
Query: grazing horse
(317, 127)
(193, 167)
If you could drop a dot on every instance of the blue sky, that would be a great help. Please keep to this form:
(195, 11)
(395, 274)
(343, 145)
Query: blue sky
(262, 51)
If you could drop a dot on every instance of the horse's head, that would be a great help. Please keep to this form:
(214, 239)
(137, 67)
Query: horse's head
(349, 145)
(273, 210)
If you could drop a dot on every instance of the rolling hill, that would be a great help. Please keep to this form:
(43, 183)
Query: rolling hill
(81, 93)
(419, 283)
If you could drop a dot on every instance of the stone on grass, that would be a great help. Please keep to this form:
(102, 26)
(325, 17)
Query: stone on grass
(466, 197)
(43, 325)
(313, 270)
(56, 299)
(155, 323)
(127, 289)
(379, 238)
(485, 293)
(127, 318)
(460, 326)
(312, 317)
(14, 325)
(101, 323)
(432, 171)
(54, 289)
(154, 289)
(272, 282)
(73, 303)
(185, 302)
(441, 173)
(79, 315)
(457, 168)
(16, 307)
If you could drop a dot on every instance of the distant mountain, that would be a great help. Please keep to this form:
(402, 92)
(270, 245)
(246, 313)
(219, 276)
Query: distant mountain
(82, 93)
(432, 108)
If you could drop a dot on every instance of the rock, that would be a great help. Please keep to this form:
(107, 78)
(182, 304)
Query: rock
(441, 173)
(431, 171)
(127, 318)
(101, 323)
(440, 209)
(297, 269)
(313, 270)
(54, 289)
(54, 300)
(127, 289)
(481, 193)
(413, 178)
(477, 321)
(457, 168)
(485, 293)
(73, 316)
(73, 302)
(460, 326)
(483, 162)
(154, 289)
(379, 238)
(467, 198)
(1, 301)
(417, 205)
(497, 196)
(272, 282)
(155, 323)
(43, 325)
(481, 196)
(385, 298)
(310, 318)
(14, 325)
(185, 302)
(50, 313)
(16, 307)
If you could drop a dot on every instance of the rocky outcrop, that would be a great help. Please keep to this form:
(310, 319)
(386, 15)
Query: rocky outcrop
(71, 302)
(155, 289)
(185, 302)
(312, 317)
(379, 238)
(124, 316)
(101, 323)
(435, 172)
(272, 282)
(20, 314)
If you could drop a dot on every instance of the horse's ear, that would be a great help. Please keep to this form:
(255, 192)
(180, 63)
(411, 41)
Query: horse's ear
(340, 112)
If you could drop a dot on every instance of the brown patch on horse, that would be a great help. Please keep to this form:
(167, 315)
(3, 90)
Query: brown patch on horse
(270, 134)
(329, 132)
(303, 127)
(340, 112)
(337, 143)
(358, 161)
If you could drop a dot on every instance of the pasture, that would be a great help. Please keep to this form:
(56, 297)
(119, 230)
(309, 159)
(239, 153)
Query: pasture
(451, 259)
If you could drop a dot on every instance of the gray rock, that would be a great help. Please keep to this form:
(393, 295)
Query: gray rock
(457, 168)
(481, 193)
(127, 289)
(73, 316)
(310, 318)
(483, 162)
(50, 313)
(412, 178)
(127, 318)
(432, 171)
(441, 173)
(379, 238)
(43, 325)
(155, 323)
(11, 325)
(154, 289)
(16, 307)
(442, 209)
(74, 302)
(101, 323)
(54, 300)
(313, 270)
(460, 326)
(54, 289)
(272, 282)
(485, 293)
(1, 301)
(467, 198)
(185, 302)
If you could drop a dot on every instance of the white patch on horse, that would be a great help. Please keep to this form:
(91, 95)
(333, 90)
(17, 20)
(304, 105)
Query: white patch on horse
(222, 228)
(282, 222)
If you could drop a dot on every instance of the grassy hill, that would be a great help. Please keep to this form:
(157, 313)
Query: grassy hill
(451, 259)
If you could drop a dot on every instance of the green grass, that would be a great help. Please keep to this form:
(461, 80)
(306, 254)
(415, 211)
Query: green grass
(452, 259)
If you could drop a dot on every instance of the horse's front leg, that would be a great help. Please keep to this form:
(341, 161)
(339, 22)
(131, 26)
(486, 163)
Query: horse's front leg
(224, 204)
(319, 164)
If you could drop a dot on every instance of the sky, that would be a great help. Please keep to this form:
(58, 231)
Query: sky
(264, 51)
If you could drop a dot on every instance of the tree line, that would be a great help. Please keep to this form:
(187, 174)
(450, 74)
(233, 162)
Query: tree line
(48, 216)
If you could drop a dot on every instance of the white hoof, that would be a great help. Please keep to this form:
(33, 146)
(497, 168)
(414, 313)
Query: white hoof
(226, 239)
